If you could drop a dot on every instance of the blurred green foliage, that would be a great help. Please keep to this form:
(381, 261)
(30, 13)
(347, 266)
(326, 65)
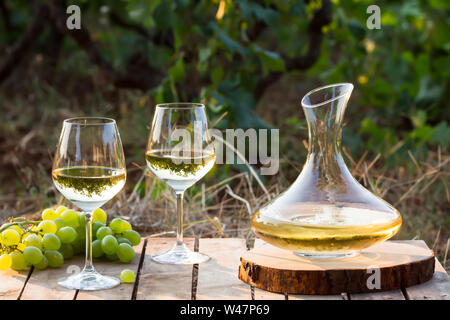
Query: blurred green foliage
(221, 50)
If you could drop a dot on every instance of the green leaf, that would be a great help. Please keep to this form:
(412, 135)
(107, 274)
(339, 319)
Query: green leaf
(441, 134)
(422, 134)
(428, 91)
(357, 29)
(164, 16)
(271, 61)
(217, 75)
(252, 9)
(176, 72)
(440, 4)
(232, 45)
(419, 119)
(241, 103)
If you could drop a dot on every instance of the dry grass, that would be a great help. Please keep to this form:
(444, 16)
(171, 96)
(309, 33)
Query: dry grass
(223, 209)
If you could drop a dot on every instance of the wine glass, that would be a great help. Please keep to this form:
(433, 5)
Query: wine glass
(180, 152)
(89, 170)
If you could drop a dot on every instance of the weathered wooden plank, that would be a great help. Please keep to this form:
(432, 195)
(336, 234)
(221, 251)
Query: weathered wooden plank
(43, 284)
(260, 294)
(386, 295)
(11, 283)
(109, 268)
(164, 281)
(217, 278)
(438, 288)
(315, 297)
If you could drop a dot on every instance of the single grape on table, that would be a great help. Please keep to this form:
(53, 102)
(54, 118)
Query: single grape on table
(127, 276)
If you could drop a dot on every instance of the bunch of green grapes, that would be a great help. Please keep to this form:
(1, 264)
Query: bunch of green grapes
(60, 235)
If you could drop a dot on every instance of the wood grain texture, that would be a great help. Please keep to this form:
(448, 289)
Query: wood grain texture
(164, 281)
(11, 283)
(386, 295)
(261, 294)
(43, 284)
(316, 297)
(401, 264)
(217, 278)
(437, 288)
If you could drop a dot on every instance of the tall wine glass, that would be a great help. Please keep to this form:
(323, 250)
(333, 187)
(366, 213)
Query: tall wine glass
(180, 152)
(89, 170)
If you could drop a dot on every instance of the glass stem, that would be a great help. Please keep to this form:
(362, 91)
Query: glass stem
(179, 196)
(88, 266)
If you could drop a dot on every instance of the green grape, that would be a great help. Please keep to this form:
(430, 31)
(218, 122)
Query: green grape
(43, 264)
(81, 233)
(55, 258)
(133, 236)
(78, 246)
(60, 210)
(95, 227)
(123, 240)
(70, 218)
(33, 240)
(99, 216)
(97, 251)
(118, 225)
(67, 234)
(125, 253)
(112, 257)
(66, 250)
(82, 220)
(17, 228)
(127, 276)
(47, 226)
(5, 262)
(109, 244)
(103, 232)
(18, 261)
(32, 255)
(51, 242)
(49, 214)
(10, 237)
(59, 223)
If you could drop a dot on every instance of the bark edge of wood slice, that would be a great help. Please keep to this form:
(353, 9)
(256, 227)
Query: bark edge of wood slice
(401, 264)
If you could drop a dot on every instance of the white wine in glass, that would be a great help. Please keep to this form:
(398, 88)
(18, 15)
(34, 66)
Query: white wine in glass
(89, 170)
(180, 152)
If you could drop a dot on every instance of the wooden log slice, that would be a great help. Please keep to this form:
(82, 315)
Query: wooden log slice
(399, 264)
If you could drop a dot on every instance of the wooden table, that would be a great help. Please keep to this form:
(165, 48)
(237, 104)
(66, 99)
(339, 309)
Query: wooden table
(216, 279)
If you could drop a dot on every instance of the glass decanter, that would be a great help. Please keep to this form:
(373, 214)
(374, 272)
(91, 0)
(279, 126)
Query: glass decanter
(326, 213)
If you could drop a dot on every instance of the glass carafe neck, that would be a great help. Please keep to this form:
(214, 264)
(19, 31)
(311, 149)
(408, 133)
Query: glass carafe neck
(324, 109)
(325, 129)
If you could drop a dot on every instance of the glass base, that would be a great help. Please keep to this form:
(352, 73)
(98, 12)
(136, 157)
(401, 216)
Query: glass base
(180, 254)
(327, 255)
(89, 280)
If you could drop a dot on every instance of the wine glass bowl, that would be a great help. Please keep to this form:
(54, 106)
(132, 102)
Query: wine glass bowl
(89, 170)
(180, 152)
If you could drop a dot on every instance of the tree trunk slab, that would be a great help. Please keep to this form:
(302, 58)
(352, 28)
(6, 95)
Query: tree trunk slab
(390, 265)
